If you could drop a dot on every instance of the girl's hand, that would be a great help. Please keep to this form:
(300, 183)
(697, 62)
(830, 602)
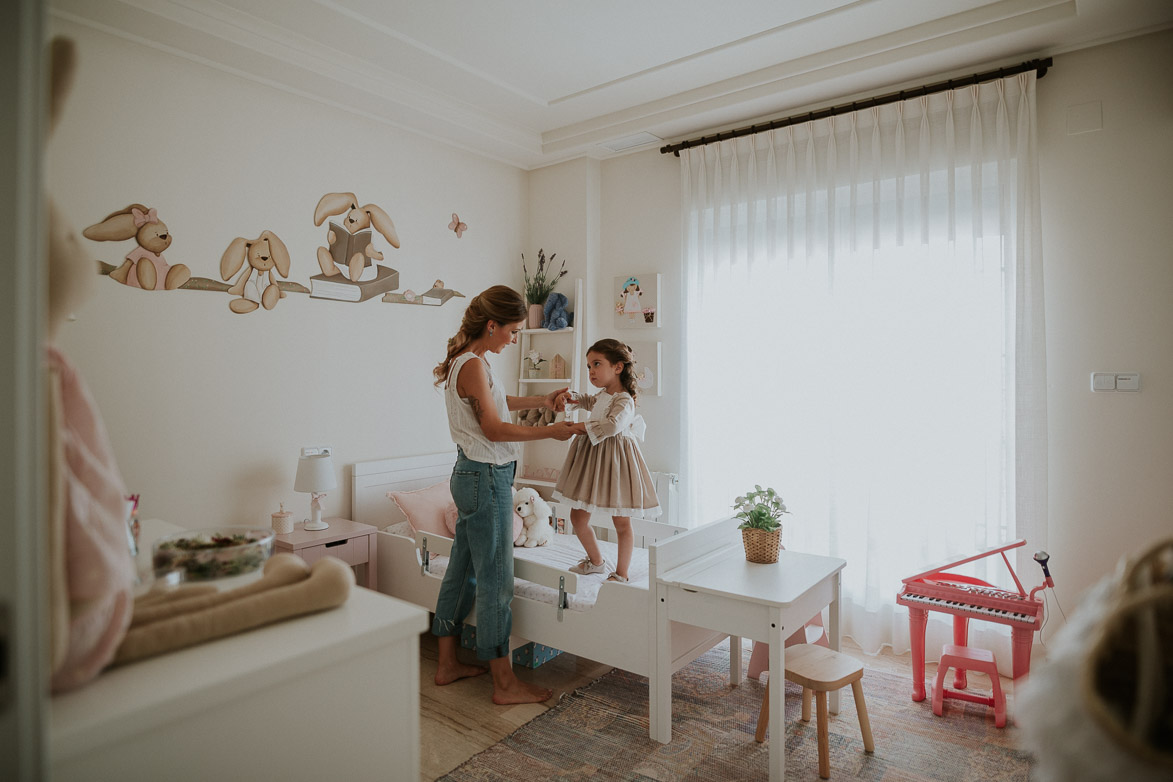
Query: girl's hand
(578, 428)
(556, 400)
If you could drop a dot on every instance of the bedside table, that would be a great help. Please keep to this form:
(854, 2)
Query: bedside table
(353, 543)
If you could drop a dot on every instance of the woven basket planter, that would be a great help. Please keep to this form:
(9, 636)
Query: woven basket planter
(761, 546)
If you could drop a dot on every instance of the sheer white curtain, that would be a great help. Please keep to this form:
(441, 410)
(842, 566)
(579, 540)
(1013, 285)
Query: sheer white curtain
(864, 333)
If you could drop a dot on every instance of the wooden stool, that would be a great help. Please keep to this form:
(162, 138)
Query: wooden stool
(968, 658)
(821, 670)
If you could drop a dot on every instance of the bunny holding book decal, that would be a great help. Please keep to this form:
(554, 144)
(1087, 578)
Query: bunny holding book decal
(349, 244)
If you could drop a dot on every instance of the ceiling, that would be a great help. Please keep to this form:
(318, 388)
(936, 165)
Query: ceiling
(535, 82)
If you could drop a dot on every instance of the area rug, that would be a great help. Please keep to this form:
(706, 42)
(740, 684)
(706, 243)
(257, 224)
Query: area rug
(600, 732)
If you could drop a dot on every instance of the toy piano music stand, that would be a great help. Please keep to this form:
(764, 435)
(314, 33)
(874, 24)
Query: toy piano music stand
(968, 598)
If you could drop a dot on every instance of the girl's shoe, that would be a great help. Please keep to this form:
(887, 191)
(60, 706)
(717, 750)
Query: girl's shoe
(617, 578)
(586, 568)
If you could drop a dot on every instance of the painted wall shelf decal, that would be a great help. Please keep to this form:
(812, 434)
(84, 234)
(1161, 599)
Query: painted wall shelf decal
(435, 296)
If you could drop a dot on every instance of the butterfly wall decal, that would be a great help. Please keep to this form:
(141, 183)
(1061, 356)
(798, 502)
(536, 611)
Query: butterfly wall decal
(458, 227)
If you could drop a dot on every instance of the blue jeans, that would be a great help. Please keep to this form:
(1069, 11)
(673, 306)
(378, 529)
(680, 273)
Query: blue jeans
(480, 567)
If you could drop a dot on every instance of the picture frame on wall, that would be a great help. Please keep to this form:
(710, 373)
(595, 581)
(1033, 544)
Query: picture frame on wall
(637, 301)
(647, 366)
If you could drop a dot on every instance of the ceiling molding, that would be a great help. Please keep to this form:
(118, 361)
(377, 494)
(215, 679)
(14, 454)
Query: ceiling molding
(419, 77)
(936, 37)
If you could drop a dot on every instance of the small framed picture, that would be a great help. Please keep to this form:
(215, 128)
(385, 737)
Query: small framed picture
(637, 301)
(647, 366)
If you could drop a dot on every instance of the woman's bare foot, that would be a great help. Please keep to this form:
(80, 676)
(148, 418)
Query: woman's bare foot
(508, 689)
(519, 692)
(447, 674)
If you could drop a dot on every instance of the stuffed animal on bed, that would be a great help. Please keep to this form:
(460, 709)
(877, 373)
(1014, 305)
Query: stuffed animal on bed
(535, 518)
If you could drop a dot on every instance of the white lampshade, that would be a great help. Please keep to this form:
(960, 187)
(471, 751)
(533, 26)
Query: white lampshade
(315, 474)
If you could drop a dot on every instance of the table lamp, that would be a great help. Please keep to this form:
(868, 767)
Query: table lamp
(315, 475)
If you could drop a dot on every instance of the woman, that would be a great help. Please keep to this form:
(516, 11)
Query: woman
(481, 562)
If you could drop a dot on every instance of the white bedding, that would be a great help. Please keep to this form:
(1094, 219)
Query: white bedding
(563, 552)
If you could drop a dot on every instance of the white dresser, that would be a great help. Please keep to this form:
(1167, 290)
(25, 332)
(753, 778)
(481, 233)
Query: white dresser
(334, 695)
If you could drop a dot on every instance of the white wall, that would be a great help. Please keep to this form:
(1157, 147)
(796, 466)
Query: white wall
(1109, 291)
(207, 409)
(1109, 299)
(641, 234)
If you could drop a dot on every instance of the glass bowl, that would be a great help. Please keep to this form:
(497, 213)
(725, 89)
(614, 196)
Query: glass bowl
(206, 554)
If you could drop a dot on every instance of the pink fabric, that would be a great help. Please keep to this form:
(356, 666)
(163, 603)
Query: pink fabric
(161, 267)
(99, 568)
(433, 510)
(424, 508)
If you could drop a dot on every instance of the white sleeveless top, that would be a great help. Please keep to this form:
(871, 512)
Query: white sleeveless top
(466, 430)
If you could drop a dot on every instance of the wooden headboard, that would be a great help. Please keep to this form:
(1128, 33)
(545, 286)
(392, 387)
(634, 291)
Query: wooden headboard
(370, 482)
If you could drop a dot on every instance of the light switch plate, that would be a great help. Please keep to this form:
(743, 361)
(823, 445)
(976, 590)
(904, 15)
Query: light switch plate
(1127, 381)
(1103, 381)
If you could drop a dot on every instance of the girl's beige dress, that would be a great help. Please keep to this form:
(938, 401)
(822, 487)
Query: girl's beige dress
(604, 470)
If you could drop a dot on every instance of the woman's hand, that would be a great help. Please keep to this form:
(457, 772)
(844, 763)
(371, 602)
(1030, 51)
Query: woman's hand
(556, 400)
(563, 430)
(578, 428)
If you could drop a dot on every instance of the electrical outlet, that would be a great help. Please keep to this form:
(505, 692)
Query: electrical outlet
(323, 450)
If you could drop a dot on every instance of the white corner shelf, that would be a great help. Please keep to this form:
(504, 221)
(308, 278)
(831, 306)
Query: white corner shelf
(567, 342)
(567, 330)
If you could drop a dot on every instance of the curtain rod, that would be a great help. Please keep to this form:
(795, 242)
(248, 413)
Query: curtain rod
(1040, 66)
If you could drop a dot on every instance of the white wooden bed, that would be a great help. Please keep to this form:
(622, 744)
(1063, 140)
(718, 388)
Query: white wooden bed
(619, 630)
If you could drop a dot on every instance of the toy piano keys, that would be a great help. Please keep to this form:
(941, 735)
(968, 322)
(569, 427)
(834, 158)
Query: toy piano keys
(968, 598)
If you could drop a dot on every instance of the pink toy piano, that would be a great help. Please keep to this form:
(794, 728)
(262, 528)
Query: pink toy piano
(970, 598)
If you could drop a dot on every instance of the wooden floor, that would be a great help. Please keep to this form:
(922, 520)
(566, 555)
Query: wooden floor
(460, 720)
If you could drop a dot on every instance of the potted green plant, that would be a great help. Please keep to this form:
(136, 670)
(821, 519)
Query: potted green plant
(539, 287)
(760, 512)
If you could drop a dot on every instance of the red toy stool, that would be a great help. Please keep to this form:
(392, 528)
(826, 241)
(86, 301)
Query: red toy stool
(965, 658)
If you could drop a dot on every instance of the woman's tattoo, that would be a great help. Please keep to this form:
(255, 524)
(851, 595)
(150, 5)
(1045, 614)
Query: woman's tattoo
(477, 411)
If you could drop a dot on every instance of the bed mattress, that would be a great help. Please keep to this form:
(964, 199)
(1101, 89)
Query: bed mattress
(563, 552)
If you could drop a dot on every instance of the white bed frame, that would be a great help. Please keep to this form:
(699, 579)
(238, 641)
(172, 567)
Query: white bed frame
(619, 631)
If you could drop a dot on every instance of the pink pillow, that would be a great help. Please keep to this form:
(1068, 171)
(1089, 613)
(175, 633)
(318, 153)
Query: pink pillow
(426, 509)
(433, 510)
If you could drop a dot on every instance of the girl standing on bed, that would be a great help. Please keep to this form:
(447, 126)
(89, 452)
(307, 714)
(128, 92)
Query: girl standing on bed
(604, 470)
(480, 567)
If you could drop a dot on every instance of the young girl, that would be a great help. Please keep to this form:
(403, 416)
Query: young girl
(604, 470)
